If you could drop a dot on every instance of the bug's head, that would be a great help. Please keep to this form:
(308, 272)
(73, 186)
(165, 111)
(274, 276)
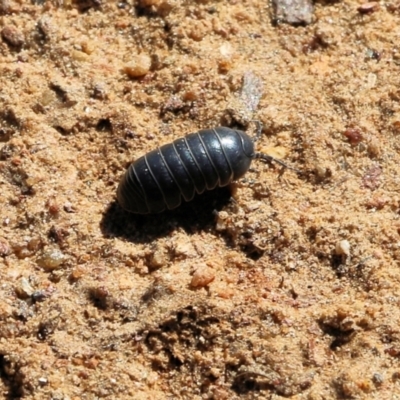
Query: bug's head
(243, 154)
(129, 194)
(247, 144)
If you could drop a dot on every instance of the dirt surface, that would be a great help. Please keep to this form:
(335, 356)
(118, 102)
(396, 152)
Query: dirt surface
(288, 289)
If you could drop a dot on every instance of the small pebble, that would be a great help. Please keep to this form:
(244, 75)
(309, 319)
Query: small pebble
(40, 295)
(202, 276)
(99, 91)
(293, 12)
(184, 250)
(12, 36)
(24, 289)
(79, 55)
(368, 8)
(354, 135)
(199, 30)
(42, 381)
(4, 248)
(47, 97)
(5, 6)
(88, 46)
(149, 3)
(159, 257)
(51, 259)
(222, 221)
(46, 27)
(138, 66)
(26, 247)
(377, 378)
(343, 248)
(374, 148)
(191, 95)
(278, 152)
(34, 244)
(372, 177)
(69, 207)
(77, 272)
(323, 172)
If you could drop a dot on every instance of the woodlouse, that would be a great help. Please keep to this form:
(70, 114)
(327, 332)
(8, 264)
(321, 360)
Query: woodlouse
(200, 161)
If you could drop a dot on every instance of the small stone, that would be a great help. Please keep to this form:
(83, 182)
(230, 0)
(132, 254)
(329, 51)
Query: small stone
(24, 289)
(4, 248)
(377, 378)
(215, 372)
(354, 135)
(158, 259)
(323, 172)
(99, 91)
(46, 27)
(12, 36)
(47, 97)
(40, 295)
(20, 250)
(149, 3)
(374, 148)
(138, 66)
(191, 95)
(173, 104)
(185, 250)
(202, 276)
(88, 46)
(34, 244)
(43, 381)
(293, 12)
(368, 8)
(5, 6)
(222, 221)
(343, 248)
(69, 207)
(51, 259)
(277, 152)
(199, 30)
(77, 272)
(92, 363)
(372, 177)
(79, 55)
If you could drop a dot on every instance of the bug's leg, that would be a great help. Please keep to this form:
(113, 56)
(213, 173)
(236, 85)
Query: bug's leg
(271, 159)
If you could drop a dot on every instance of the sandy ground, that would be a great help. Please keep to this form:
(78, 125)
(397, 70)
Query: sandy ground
(285, 284)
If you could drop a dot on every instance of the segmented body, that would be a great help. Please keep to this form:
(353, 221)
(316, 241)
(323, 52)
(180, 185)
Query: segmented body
(200, 161)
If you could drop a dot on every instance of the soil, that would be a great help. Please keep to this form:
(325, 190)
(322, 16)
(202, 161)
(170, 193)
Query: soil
(284, 284)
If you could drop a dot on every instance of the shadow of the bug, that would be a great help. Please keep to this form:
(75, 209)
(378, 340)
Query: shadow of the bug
(194, 216)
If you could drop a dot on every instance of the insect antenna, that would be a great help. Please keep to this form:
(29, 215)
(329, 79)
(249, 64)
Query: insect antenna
(267, 157)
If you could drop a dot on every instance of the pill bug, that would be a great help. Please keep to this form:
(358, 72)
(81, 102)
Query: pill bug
(200, 161)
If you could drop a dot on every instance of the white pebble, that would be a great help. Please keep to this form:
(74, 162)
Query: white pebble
(343, 248)
(138, 66)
